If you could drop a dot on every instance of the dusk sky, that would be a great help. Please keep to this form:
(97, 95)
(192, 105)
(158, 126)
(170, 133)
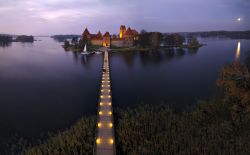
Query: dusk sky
(46, 17)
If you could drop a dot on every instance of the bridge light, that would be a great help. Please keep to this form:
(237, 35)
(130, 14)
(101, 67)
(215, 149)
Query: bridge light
(110, 125)
(101, 96)
(111, 141)
(100, 112)
(98, 140)
(109, 103)
(101, 103)
(99, 125)
(110, 113)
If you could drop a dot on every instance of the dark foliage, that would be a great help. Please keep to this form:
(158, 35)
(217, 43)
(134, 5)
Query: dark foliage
(144, 39)
(174, 40)
(66, 44)
(234, 79)
(79, 139)
(62, 38)
(208, 129)
(24, 38)
(247, 61)
(5, 40)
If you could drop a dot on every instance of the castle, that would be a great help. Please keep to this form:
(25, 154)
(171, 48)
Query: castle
(126, 38)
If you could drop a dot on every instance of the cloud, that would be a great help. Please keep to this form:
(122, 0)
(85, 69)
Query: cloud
(70, 16)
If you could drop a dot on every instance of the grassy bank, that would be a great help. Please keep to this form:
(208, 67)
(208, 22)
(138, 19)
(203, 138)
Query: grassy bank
(208, 129)
(78, 139)
(157, 129)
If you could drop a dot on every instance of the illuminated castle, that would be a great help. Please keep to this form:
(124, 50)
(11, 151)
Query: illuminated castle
(126, 38)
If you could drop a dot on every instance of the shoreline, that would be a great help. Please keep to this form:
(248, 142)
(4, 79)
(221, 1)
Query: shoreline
(128, 49)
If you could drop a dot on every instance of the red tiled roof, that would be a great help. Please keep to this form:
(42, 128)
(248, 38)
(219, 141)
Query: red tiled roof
(129, 31)
(97, 36)
(135, 32)
(86, 32)
(106, 34)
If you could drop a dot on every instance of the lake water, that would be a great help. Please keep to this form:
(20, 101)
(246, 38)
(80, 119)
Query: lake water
(43, 88)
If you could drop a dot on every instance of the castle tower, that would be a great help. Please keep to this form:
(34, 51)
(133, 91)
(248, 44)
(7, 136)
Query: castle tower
(106, 40)
(122, 31)
(86, 33)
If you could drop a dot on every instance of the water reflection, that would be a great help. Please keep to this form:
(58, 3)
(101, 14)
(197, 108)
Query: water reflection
(169, 52)
(5, 44)
(75, 57)
(193, 50)
(180, 51)
(237, 55)
(27, 44)
(128, 58)
(84, 59)
(159, 55)
(22, 44)
(156, 57)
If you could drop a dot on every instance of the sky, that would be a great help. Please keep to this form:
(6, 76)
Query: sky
(48, 17)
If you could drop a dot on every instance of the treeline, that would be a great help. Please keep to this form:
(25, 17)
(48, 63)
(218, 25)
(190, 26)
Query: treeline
(225, 34)
(76, 44)
(62, 38)
(24, 38)
(157, 39)
(5, 40)
(20, 38)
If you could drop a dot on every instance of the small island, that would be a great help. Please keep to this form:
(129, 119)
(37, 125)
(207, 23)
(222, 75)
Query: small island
(62, 38)
(24, 38)
(4, 39)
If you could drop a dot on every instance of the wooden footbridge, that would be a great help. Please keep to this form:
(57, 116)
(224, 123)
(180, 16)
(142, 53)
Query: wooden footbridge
(105, 139)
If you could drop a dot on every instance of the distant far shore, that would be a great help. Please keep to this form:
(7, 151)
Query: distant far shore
(20, 38)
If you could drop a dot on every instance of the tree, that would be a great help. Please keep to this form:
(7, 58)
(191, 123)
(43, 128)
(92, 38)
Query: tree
(178, 39)
(247, 61)
(169, 40)
(156, 38)
(235, 81)
(74, 40)
(82, 43)
(144, 39)
(194, 42)
(5, 40)
(66, 44)
(24, 38)
(174, 40)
